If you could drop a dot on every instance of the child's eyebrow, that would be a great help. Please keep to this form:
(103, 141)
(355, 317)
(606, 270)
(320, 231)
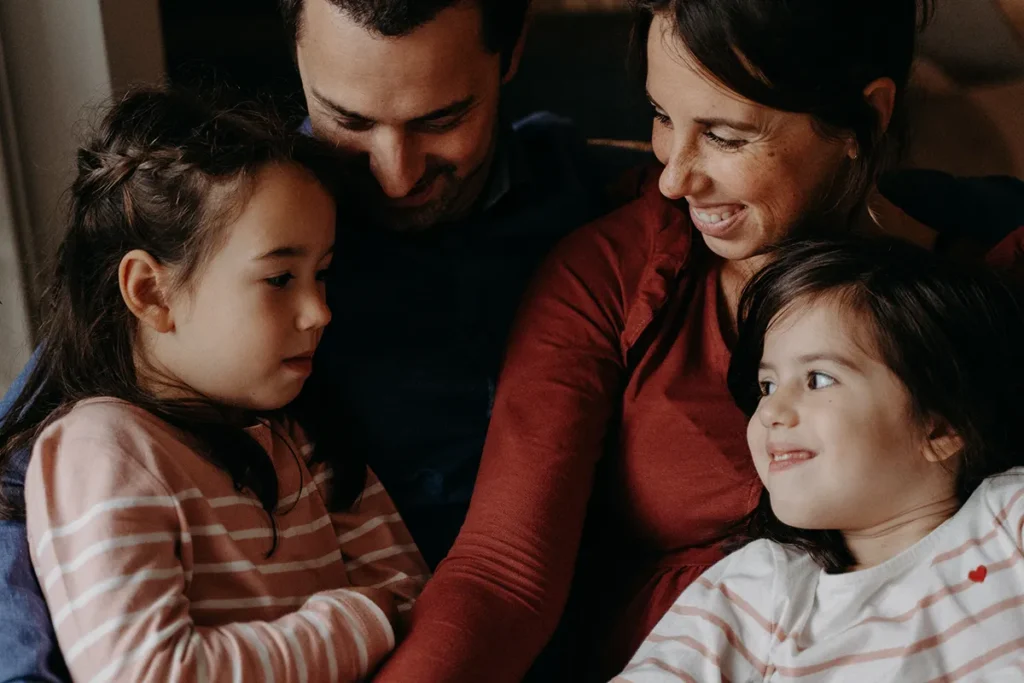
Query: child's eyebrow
(830, 357)
(816, 357)
(291, 251)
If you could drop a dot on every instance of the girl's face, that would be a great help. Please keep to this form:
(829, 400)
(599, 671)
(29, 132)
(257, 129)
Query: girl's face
(834, 438)
(245, 331)
(748, 173)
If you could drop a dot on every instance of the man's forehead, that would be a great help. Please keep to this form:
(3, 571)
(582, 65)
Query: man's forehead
(406, 77)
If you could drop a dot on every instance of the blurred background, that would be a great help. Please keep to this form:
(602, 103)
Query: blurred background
(61, 59)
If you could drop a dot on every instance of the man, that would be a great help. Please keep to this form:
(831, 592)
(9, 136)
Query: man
(446, 212)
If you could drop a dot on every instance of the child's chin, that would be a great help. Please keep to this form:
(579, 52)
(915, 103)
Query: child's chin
(798, 517)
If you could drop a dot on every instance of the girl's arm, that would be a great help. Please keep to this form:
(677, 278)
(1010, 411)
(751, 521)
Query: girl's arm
(495, 601)
(378, 551)
(114, 561)
(719, 629)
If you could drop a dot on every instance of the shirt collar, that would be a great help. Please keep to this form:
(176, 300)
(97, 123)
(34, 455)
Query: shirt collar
(509, 169)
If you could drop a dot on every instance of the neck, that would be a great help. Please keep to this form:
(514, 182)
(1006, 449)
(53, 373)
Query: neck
(162, 385)
(732, 278)
(875, 545)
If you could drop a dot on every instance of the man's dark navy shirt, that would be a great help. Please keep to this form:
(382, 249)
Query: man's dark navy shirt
(420, 320)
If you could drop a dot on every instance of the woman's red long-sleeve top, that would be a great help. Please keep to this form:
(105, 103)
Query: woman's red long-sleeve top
(613, 400)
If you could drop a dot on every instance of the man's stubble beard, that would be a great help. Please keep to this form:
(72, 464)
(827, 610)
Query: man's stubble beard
(457, 199)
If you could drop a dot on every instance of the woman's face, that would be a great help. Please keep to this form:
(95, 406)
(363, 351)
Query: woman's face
(748, 173)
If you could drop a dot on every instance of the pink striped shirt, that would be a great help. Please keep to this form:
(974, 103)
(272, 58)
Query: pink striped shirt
(950, 608)
(155, 568)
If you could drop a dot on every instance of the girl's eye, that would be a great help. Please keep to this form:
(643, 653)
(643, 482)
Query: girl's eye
(321, 275)
(767, 387)
(280, 281)
(660, 116)
(819, 380)
(724, 143)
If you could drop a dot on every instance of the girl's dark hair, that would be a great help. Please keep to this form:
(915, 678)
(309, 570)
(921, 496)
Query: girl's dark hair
(807, 56)
(952, 334)
(166, 172)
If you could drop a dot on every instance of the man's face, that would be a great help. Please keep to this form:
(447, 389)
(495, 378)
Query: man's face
(416, 114)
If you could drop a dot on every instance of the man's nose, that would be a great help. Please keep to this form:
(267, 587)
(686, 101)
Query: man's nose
(396, 162)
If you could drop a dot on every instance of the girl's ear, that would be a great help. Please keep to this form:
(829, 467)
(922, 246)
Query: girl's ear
(942, 442)
(144, 288)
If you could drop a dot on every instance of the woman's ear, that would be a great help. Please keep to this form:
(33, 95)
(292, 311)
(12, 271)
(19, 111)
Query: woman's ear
(144, 288)
(881, 95)
(942, 442)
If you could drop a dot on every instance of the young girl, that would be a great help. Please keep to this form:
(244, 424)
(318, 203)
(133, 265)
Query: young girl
(885, 388)
(188, 515)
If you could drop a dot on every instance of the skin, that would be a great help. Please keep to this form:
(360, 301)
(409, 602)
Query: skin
(724, 155)
(835, 441)
(243, 332)
(416, 115)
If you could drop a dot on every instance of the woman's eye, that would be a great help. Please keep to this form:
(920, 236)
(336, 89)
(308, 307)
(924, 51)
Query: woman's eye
(321, 275)
(280, 281)
(767, 387)
(724, 143)
(819, 380)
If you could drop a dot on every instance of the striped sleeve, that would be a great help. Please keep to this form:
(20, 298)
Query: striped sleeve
(377, 548)
(114, 558)
(719, 629)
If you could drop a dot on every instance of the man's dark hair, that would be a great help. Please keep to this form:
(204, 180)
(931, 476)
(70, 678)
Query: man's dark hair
(951, 333)
(503, 20)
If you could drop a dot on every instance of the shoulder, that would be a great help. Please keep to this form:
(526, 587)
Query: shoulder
(557, 152)
(102, 433)
(646, 226)
(1003, 494)
(755, 560)
(626, 261)
(758, 571)
(107, 420)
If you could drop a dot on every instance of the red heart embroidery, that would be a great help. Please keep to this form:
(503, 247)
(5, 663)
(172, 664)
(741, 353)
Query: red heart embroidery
(978, 575)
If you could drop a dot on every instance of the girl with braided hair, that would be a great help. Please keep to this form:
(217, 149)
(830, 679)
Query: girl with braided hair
(189, 516)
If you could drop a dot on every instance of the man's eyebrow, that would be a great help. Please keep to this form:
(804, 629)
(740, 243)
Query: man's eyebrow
(453, 109)
(449, 110)
(338, 109)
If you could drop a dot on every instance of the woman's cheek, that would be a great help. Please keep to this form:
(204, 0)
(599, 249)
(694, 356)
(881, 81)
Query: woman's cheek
(661, 141)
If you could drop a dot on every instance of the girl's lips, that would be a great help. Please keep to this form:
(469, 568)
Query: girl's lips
(716, 221)
(784, 459)
(301, 364)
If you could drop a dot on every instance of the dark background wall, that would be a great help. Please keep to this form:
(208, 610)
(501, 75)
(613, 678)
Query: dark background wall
(574, 64)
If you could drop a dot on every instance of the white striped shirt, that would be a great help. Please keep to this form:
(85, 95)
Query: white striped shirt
(950, 608)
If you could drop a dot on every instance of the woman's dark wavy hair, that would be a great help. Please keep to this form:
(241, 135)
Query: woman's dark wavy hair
(167, 170)
(812, 57)
(952, 334)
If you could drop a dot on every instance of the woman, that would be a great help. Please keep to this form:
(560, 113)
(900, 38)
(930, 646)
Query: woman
(771, 119)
